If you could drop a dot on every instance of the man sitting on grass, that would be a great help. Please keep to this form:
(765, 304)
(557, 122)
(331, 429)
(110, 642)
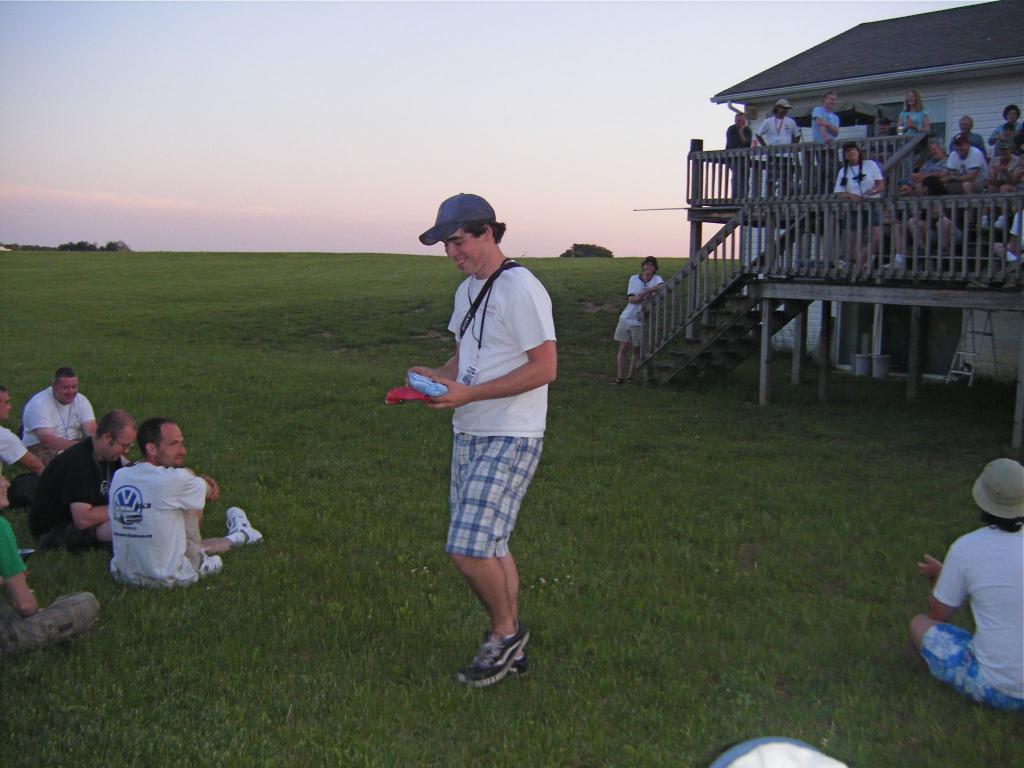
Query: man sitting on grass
(987, 568)
(69, 510)
(57, 417)
(156, 511)
(24, 626)
(13, 451)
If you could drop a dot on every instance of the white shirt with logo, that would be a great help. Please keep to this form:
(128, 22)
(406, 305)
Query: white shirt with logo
(147, 522)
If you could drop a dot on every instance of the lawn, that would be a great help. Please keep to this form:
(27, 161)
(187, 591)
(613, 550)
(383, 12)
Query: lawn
(697, 570)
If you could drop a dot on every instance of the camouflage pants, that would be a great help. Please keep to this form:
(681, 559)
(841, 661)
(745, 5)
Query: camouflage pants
(66, 617)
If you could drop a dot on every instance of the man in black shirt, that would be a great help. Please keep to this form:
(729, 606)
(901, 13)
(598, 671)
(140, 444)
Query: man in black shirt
(739, 136)
(70, 507)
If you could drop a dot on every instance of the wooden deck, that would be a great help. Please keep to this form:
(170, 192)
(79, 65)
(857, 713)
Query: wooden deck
(781, 241)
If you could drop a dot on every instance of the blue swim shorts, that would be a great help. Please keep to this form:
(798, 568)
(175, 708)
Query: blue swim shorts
(949, 653)
(490, 476)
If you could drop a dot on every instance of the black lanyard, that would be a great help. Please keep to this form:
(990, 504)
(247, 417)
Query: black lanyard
(484, 293)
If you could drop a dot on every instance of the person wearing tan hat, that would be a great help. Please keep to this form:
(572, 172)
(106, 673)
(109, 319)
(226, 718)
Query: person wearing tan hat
(778, 127)
(987, 568)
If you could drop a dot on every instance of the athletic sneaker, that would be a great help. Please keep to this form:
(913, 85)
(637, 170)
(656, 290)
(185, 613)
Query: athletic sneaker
(520, 666)
(210, 565)
(240, 530)
(493, 660)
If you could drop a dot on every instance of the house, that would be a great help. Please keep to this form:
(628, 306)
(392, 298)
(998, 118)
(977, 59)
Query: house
(782, 261)
(964, 61)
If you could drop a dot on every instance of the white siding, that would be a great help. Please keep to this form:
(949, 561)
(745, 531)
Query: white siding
(783, 340)
(983, 98)
(1006, 330)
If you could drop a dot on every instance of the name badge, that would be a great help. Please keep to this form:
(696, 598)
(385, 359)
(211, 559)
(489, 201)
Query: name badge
(469, 376)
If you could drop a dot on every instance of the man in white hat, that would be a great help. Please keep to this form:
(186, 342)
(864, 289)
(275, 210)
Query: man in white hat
(777, 129)
(987, 568)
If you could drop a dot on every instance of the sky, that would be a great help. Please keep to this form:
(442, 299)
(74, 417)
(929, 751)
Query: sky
(341, 126)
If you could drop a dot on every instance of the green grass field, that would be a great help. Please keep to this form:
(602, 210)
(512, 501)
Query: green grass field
(696, 570)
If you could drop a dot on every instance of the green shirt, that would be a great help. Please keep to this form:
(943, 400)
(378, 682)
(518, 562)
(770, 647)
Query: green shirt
(11, 563)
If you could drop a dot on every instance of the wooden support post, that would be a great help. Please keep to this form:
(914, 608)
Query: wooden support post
(799, 346)
(824, 350)
(1018, 411)
(693, 286)
(766, 349)
(914, 360)
(876, 331)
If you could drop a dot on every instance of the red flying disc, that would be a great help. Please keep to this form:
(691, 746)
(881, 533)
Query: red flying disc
(400, 395)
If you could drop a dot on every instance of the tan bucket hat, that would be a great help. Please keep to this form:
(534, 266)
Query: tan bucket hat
(999, 489)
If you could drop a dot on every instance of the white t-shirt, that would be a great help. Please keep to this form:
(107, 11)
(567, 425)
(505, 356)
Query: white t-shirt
(147, 522)
(961, 166)
(11, 448)
(631, 314)
(987, 567)
(515, 318)
(872, 176)
(779, 131)
(44, 410)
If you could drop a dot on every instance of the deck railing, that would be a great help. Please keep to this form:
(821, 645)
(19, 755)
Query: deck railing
(731, 177)
(956, 241)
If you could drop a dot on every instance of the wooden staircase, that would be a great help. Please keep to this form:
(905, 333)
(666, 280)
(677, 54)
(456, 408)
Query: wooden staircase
(708, 320)
(728, 333)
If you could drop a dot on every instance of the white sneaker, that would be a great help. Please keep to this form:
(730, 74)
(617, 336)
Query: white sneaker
(210, 565)
(240, 530)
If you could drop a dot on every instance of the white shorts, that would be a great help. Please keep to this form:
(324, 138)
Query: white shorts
(628, 331)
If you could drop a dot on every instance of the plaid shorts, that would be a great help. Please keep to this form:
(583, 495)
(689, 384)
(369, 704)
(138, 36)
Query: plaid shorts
(490, 476)
(949, 653)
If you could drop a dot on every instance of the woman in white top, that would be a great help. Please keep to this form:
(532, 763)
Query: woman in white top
(628, 331)
(860, 179)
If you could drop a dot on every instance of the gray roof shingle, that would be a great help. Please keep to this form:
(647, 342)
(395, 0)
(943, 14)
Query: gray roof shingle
(965, 35)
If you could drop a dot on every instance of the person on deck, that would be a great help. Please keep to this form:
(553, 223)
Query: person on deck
(914, 118)
(967, 129)
(858, 180)
(934, 167)
(739, 136)
(824, 120)
(1011, 114)
(776, 130)
(967, 170)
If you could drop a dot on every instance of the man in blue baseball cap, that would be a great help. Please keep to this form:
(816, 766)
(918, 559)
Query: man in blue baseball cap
(497, 381)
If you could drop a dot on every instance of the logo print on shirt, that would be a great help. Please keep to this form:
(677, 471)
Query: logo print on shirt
(128, 506)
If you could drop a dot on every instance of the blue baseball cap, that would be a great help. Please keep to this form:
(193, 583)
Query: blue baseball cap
(455, 213)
